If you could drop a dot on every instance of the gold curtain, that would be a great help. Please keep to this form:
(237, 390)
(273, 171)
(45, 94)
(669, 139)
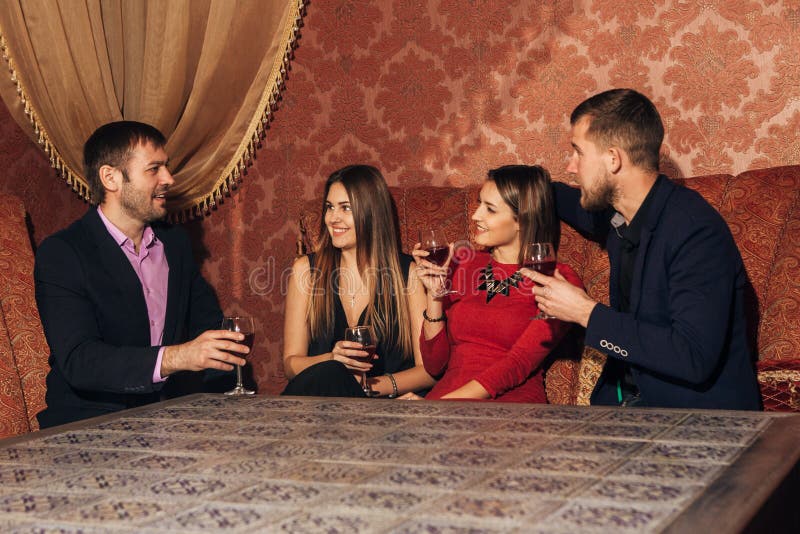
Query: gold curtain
(207, 73)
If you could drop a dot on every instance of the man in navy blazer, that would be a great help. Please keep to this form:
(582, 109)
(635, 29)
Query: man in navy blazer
(127, 315)
(675, 333)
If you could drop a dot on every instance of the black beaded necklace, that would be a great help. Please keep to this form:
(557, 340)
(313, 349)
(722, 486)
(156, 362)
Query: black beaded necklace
(494, 287)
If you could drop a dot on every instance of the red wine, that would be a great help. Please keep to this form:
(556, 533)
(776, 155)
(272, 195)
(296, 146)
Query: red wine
(544, 267)
(438, 255)
(248, 340)
(370, 349)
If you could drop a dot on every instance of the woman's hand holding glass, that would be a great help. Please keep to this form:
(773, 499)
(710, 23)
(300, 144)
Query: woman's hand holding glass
(364, 337)
(432, 255)
(351, 355)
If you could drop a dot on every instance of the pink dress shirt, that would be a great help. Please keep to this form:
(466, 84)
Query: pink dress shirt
(152, 269)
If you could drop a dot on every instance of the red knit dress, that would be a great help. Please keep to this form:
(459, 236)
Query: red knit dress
(498, 343)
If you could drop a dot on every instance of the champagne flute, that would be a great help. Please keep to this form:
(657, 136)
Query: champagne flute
(435, 243)
(365, 335)
(540, 257)
(245, 326)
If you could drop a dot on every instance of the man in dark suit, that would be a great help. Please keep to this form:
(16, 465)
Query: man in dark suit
(675, 332)
(127, 315)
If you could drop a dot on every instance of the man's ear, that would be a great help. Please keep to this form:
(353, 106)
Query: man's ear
(614, 159)
(110, 177)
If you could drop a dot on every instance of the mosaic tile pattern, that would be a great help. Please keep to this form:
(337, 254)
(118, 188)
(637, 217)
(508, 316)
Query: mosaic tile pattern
(683, 472)
(114, 512)
(105, 482)
(339, 472)
(547, 462)
(27, 477)
(491, 509)
(588, 517)
(383, 500)
(218, 517)
(209, 463)
(161, 462)
(327, 522)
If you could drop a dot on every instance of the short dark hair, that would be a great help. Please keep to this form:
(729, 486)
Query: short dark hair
(627, 119)
(112, 144)
(527, 191)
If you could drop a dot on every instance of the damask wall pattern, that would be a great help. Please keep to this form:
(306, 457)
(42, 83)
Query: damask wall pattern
(438, 92)
(26, 173)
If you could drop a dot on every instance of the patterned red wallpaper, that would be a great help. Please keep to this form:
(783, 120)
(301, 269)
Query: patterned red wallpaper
(50, 203)
(437, 92)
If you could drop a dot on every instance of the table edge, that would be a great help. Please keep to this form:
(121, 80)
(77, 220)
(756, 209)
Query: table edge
(734, 499)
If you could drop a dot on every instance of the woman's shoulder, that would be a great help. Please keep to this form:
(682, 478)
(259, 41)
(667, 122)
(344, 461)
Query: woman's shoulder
(303, 264)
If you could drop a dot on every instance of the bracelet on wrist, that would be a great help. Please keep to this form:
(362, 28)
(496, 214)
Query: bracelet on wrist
(435, 320)
(393, 394)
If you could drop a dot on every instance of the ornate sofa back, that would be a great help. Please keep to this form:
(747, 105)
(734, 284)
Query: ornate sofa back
(23, 349)
(762, 208)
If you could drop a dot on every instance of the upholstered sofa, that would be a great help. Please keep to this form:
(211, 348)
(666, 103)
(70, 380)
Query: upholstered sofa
(762, 208)
(23, 349)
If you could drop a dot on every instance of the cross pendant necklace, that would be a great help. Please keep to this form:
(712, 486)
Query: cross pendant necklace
(348, 282)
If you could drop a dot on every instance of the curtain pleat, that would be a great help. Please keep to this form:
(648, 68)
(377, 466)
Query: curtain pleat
(207, 73)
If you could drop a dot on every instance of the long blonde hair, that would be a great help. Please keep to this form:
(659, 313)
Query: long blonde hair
(377, 256)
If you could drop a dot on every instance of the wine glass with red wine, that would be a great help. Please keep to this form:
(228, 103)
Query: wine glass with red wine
(435, 243)
(365, 335)
(540, 257)
(245, 326)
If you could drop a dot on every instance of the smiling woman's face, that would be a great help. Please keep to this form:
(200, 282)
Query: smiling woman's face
(496, 225)
(339, 217)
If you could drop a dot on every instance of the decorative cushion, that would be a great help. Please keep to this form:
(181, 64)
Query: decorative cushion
(761, 208)
(592, 362)
(780, 384)
(560, 380)
(18, 307)
(13, 418)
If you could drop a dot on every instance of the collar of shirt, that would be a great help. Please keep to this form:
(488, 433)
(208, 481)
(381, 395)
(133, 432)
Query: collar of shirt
(631, 233)
(148, 236)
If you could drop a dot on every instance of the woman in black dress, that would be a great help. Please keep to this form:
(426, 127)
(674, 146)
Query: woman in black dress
(356, 276)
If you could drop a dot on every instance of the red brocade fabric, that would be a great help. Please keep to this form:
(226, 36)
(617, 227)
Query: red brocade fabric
(780, 385)
(23, 349)
(498, 343)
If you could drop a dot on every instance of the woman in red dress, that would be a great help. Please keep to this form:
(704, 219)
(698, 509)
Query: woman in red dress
(482, 340)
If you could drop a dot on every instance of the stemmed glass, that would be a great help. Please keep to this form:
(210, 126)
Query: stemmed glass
(245, 326)
(540, 257)
(365, 335)
(435, 243)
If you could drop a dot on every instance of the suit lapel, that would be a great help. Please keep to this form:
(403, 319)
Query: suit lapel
(664, 187)
(614, 258)
(175, 262)
(636, 283)
(116, 265)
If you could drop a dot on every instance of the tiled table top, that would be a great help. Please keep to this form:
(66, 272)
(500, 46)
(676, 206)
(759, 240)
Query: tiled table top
(281, 464)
